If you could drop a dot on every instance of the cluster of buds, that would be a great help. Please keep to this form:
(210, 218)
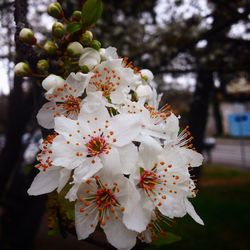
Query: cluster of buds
(68, 41)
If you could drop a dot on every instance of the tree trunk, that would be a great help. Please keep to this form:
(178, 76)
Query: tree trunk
(21, 213)
(18, 112)
(199, 112)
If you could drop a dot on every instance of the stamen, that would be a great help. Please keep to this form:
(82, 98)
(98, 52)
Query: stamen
(97, 145)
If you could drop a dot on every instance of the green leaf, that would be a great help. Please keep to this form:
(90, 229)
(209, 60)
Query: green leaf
(91, 12)
(164, 240)
(74, 27)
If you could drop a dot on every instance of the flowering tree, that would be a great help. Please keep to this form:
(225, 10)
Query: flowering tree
(115, 158)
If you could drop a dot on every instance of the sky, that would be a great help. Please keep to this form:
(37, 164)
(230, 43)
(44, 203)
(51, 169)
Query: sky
(185, 12)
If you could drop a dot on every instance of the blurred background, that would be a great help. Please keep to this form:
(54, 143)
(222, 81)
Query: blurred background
(199, 53)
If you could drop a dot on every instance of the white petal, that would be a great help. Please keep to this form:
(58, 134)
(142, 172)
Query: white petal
(85, 225)
(87, 169)
(93, 102)
(111, 53)
(138, 211)
(117, 97)
(172, 206)
(45, 116)
(77, 83)
(72, 194)
(69, 129)
(126, 128)
(172, 126)
(192, 157)
(192, 213)
(111, 161)
(45, 182)
(63, 179)
(149, 150)
(128, 157)
(118, 235)
(64, 154)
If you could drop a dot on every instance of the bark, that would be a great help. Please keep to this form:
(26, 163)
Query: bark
(217, 114)
(21, 214)
(199, 112)
(18, 112)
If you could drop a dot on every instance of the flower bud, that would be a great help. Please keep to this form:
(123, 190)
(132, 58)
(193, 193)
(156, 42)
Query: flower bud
(95, 45)
(76, 16)
(75, 49)
(55, 10)
(90, 58)
(50, 47)
(58, 30)
(147, 75)
(27, 36)
(42, 65)
(22, 69)
(86, 38)
(144, 91)
(52, 82)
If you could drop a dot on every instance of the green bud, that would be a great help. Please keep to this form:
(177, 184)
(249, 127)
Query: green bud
(76, 16)
(55, 10)
(22, 69)
(58, 30)
(86, 38)
(27, 36)
(42, 65)
(50, 48)
(95, 44)
(85, 69)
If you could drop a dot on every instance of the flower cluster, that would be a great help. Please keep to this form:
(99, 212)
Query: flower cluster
(124, 161)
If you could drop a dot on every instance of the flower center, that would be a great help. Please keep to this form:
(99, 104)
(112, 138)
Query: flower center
(72, 104)
(97, 146)
(149, 180)
(105, 199)
(107, 81)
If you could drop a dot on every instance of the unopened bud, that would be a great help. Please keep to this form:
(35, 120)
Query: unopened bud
(147, 75)
(76, 16)
(22, 69)
(58, 30)
(42, 65)
(75, 49)
(86, 38)
(52, 82)
(55, 10)
(50, 48)
(27, 36)
(95, 45)
(144, 91)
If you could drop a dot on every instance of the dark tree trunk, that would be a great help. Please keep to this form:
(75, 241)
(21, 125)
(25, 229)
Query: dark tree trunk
(21, 214)
(18, 112)
(217, 114)
(199, 112)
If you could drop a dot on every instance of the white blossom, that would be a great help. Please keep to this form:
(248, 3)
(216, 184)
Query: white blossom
(103, 200)
(64, 98)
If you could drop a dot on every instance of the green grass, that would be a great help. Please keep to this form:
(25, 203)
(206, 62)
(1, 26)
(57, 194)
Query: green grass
(224, 204)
